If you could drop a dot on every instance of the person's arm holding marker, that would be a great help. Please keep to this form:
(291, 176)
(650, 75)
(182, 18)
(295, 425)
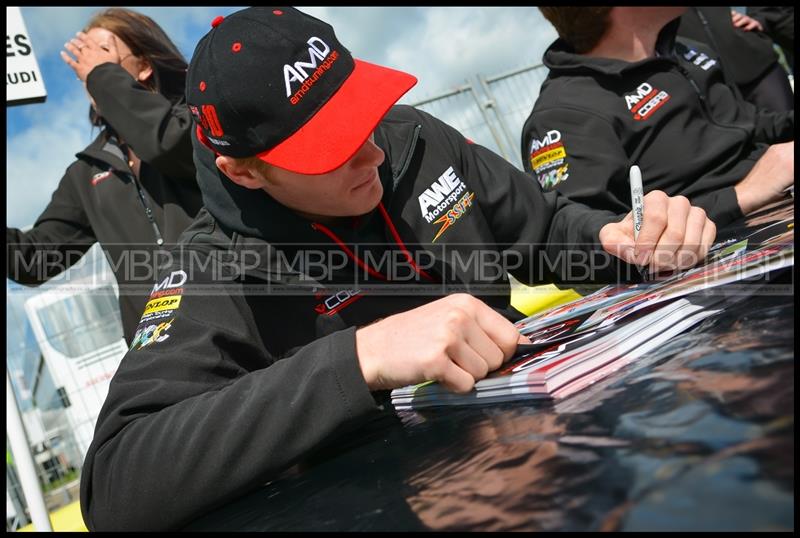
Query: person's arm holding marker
(458, 340)
(673, 234)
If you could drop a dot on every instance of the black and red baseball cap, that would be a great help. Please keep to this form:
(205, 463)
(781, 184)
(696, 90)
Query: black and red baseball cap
(275, 83)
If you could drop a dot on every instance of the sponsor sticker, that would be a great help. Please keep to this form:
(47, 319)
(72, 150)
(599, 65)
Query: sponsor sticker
(150, 334)
(100, 176)
(543, 158)
(699, 59)
(552, 177)
(173, 282)
(443, 193)
(320, 59)
(337, 301)
(548, 157)
(159, 312)
(645, 100)
(453, 214)
(170, 302)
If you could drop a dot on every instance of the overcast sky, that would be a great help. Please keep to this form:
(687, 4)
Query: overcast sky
(442, 46)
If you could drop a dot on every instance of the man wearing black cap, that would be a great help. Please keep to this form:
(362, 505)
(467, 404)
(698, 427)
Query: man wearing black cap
(324, 270)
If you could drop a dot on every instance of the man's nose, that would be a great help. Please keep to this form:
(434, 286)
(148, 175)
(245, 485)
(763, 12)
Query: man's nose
(369, 155)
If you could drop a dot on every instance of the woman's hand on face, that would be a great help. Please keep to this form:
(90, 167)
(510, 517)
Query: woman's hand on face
(88, 54)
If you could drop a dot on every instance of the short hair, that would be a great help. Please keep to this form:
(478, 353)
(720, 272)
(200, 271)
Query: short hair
(580, 27)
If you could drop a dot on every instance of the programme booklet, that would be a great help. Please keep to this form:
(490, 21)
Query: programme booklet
(576, 344)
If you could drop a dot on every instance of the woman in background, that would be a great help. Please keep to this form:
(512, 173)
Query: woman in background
(133, 189)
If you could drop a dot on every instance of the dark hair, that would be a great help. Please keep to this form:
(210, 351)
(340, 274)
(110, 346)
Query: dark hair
(146, 40)
(580, 27)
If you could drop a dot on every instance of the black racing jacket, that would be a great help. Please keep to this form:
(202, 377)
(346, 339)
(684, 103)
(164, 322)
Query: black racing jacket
(744, 56)
(245, 364)
(778, 23)
(672, 115)
(99, 199)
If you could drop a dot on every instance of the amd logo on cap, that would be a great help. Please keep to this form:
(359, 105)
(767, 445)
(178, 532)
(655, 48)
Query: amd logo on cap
(317, 51)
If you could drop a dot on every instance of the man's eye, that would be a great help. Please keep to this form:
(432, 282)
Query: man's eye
(105, 48)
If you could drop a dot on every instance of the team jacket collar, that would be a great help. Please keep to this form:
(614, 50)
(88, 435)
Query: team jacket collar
(105, 150)
(562, 58)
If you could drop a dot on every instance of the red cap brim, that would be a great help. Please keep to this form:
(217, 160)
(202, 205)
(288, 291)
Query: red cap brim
(336, 132)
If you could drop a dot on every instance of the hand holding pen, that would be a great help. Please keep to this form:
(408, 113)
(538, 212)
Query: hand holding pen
(671, 234)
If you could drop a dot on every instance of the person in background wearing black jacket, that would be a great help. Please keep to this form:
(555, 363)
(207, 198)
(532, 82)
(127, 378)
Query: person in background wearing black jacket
(776, 22)
(745, 55)
(133, 189)
(622, 91)
(323, 271)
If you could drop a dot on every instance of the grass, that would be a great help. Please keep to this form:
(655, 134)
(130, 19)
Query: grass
(66, 479)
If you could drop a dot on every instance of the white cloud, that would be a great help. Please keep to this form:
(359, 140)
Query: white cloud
(442, 46)
(51, 27)
(39, 155)
(464, 42)
(186, 26)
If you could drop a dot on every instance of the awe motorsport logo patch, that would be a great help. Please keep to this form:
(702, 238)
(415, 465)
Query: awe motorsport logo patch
(454, 213)
(445, 192)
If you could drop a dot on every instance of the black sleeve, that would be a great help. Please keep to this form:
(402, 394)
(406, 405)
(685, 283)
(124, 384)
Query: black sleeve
(546, 232)
(58, 239)
(773, 127)
(199, 413)
(721, 206)
(778, 23)
(770, 126)
(577, 153)
(157, 130)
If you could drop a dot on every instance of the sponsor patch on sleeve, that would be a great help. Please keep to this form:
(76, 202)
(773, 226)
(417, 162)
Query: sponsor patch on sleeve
(161, 304)
(548, 157)
(699, 59)
(159, 312)
(150, 333)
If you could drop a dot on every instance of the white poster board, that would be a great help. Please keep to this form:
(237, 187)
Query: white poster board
(24, 82)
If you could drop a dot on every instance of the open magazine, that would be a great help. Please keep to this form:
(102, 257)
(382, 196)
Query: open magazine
(575, 344)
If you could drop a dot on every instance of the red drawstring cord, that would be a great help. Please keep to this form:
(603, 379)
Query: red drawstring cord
(333, 237)
(402, 245)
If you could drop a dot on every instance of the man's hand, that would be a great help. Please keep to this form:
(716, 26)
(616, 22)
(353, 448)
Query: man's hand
(456, 341)
(89, 54)
(674, 234)
(767, 180)
(740, 20)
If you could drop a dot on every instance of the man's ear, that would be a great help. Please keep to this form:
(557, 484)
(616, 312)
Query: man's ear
(239, 174)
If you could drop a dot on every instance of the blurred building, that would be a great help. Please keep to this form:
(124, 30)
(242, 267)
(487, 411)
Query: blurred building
(64, 343)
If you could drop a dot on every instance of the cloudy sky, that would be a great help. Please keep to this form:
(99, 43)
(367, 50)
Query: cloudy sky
(442, 46)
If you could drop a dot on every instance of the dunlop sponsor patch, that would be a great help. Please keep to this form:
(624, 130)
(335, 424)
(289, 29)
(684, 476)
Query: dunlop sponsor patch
(170, 302)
